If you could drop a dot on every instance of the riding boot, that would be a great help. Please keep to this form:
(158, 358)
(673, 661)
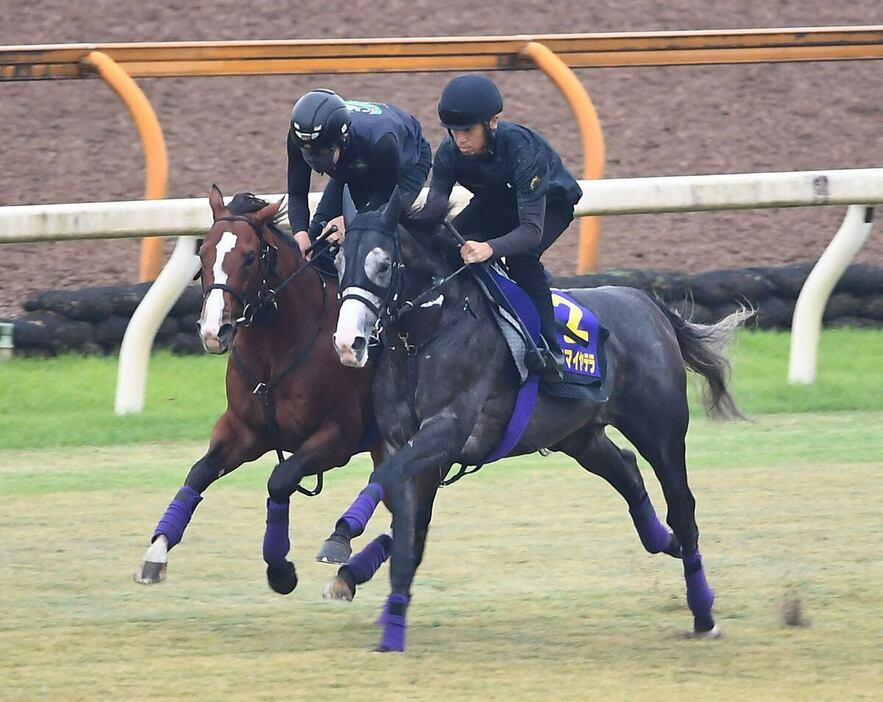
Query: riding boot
(552, 356)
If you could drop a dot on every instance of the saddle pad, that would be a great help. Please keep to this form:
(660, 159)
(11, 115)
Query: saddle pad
(580, 336)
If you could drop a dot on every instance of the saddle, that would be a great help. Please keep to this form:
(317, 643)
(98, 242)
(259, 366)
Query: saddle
(580, 335)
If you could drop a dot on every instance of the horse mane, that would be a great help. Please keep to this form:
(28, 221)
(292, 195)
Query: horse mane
(425, 220)
(248, 203)
(424, 224)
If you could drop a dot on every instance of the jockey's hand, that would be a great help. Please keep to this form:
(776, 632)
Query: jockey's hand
(476, 251)
(303, 241)
(335, 237)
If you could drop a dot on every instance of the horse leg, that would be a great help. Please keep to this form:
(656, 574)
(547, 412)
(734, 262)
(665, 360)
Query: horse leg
(283, 481)
(411, 516)
(230, 447)
(595, 452)
(437, 442)
(360, 569)
(662, 444)
(427, 486)
(337, 549)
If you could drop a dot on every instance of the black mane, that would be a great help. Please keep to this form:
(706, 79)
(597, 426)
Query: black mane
(427, 219)
(248, 203)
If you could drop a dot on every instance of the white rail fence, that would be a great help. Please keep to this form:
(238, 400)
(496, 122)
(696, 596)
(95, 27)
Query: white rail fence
(187, 218)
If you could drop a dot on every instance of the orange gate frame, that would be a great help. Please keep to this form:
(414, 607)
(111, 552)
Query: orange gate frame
(554, 54)
(155, 155)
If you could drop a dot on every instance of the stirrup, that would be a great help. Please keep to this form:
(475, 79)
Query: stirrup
(553, 370)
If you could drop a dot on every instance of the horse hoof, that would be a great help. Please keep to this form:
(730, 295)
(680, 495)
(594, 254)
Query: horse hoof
(387, 649)
(674, 547)
(704, 627)
(282, 579)
(151, 573)
(336, 550)
(712, 633)
(338, 589)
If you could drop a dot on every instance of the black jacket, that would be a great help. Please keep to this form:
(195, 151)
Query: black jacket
(520, 175)
(381, 143)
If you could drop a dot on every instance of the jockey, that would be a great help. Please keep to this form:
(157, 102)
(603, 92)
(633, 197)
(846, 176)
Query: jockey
(523, 196)
(371, 147)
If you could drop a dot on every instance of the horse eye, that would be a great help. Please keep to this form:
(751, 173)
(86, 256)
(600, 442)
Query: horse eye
(249, 259)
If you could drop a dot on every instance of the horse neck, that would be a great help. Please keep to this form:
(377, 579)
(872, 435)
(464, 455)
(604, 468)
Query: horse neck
(423, 264)
(299, 308)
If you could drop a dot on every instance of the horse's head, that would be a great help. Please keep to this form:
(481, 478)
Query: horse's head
(235, 259)
(368, 266)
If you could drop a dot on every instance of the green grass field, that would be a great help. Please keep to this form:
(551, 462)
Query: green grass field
(534, 586)
(68, 401)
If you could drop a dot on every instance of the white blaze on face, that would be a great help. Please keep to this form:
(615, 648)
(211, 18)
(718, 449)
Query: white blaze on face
(213, 310)
(354, 321)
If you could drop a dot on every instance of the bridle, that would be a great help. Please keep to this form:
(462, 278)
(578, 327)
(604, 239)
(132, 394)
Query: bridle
(389, 312)
(357, 277)
(265, 295)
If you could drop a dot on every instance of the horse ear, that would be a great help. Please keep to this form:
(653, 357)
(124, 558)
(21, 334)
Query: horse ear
(268, 212)
(393, 210)
(216, 201)
(349, 207)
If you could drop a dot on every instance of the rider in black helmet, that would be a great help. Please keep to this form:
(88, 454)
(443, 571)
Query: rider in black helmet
(371, 147)
(523, 196)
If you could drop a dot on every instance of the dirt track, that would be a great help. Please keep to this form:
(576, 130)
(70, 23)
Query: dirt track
(72, 141)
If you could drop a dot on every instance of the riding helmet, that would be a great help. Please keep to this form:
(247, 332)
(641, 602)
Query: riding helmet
(467, 100)
(319, 119)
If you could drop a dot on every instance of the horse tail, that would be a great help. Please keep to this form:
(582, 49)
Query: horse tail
(705, 349)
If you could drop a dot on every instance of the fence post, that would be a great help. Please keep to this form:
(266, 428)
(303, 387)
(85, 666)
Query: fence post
(806, 324)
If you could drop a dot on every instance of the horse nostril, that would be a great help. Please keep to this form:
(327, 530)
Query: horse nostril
(359, 344)
(225, 331)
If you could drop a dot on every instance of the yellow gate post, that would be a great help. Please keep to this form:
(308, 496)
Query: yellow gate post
(155, 156)
(590, 133)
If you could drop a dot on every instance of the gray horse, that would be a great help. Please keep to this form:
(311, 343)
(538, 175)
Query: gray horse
(446, 385)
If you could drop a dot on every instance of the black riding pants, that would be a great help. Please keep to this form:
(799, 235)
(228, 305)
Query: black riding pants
(480, 221)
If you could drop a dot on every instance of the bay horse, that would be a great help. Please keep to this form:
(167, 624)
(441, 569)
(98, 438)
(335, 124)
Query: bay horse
(286, 390)
(446, 384)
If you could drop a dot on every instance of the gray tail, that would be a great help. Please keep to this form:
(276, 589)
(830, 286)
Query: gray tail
(705, 348)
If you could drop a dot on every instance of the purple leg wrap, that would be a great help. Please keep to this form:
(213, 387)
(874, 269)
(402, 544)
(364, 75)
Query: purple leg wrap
(276, 544)
(177, 516)
(394, 623)
(366, 562)
(653, 533)
(699, 596)
(357, 516)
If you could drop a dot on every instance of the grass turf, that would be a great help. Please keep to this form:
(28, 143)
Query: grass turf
(68, 401)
